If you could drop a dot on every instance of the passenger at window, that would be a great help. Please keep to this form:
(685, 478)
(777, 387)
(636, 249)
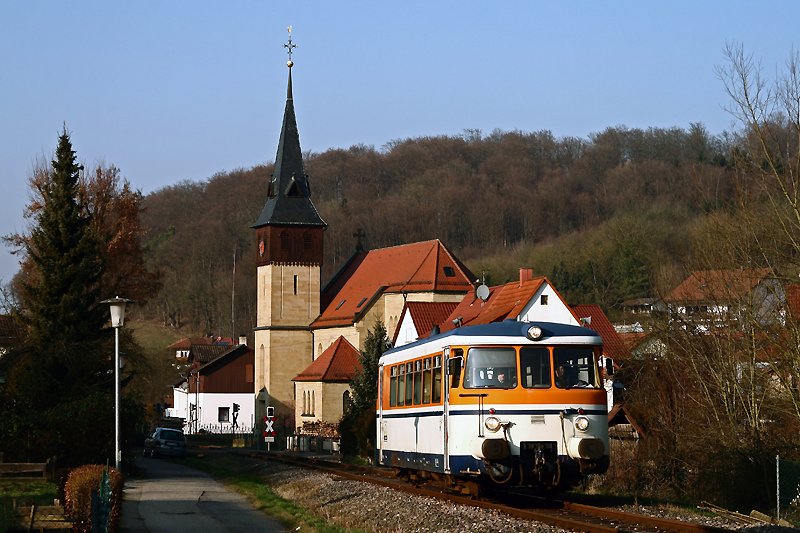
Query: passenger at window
(561, 377)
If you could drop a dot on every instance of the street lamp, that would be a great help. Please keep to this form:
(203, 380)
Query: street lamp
(117, 306)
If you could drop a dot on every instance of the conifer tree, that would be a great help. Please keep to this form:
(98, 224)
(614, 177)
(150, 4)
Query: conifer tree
(357, 428)
(60, 378)
(61, 295)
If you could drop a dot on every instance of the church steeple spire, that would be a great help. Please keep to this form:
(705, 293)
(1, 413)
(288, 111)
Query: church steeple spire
(289, 193)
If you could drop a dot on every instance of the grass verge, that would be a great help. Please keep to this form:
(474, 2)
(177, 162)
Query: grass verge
(25, 493)
(233, 474)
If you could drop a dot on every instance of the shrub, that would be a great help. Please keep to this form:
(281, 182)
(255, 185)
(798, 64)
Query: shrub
(81, 483)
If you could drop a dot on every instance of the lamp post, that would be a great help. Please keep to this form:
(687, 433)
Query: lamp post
(117, 307)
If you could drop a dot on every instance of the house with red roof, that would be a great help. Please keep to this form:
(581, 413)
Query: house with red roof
(722, 297)
(216, 391)
(528, 299)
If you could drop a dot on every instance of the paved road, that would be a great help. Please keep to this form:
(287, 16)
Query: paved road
(169, 497)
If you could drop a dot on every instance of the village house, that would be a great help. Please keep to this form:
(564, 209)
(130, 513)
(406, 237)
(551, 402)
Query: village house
(216, 391)
(720, 298)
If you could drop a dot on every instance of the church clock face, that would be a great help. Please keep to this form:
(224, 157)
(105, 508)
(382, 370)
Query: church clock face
(261, 248)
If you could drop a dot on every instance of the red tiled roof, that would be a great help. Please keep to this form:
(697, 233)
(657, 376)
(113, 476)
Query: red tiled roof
(228, 353)
(187, 342)
(426, 315)
(632, 339)
(612, 343)
(339, 363)
(504, 302)
(418, 267)
(717, 285)
(202, 354)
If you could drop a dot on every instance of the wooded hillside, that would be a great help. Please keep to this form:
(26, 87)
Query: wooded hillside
(607, 218)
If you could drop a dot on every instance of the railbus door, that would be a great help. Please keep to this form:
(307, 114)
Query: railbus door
(445, 406)
(381, 429)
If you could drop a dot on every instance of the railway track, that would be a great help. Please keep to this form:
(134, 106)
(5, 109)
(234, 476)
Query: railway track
(566, 515)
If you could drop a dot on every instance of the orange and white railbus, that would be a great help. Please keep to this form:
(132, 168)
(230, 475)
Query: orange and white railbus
(506, 403)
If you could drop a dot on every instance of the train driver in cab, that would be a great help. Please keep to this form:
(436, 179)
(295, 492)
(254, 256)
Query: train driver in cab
(504, 381)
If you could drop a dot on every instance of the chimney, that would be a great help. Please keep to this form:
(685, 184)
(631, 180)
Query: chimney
(243, 339)
(525, 274)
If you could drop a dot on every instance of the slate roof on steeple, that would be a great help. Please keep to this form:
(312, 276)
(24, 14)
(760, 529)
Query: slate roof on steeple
(289, 193)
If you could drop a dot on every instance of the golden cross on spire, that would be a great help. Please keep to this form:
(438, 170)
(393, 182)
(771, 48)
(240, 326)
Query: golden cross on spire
(289, 47)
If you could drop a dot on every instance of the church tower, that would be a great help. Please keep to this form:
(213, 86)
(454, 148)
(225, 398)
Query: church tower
(289, 235)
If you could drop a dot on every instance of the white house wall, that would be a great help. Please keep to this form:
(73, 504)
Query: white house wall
(179, 402)
(209, 411)
(554, 311)
(407, 330)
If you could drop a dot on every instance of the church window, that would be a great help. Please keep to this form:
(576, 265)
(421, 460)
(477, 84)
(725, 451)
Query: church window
(449, 272)
(313, 402)
(295, 284)
(345, 401)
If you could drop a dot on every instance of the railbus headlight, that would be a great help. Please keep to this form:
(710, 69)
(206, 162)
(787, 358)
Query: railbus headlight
(534, 333)
(492, 423)
(581, 423)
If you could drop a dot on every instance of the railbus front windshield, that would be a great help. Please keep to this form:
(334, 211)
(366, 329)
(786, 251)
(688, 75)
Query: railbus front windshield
(540, 367)
(494, 368)
(575, 366)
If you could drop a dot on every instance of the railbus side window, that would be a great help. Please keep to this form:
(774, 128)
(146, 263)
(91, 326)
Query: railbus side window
(417, 382)
(437, 378)
(393, 387)
(409, 383)
(401, 384)
(454, 368)
(534, 363)
(426, 380)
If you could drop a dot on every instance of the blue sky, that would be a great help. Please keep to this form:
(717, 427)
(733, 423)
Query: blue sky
(180, 90)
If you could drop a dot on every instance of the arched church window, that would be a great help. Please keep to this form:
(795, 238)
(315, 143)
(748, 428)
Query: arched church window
(345, 400)
(313, 403)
